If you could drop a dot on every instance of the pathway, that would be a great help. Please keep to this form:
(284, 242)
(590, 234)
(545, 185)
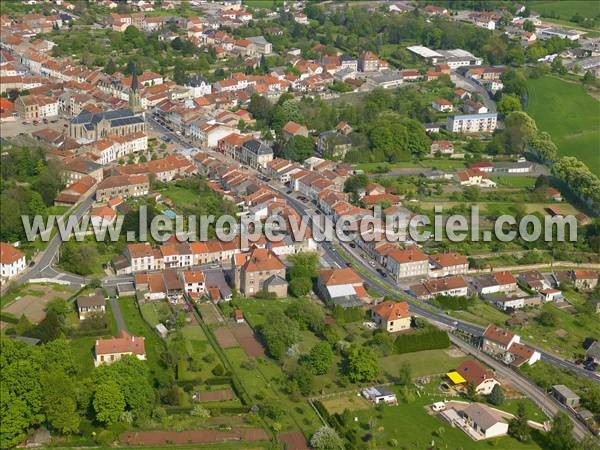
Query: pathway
(116, 310)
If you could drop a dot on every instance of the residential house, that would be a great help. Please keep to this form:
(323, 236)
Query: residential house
(449, 263)
(452, 286)
(12, 261)
(484, 421)
(34, 107)
(256, 154)
(379, 394)
(392, 316)
(291, 129)
(87, 305)
(259, 270)
(124, 186)
(341, 287)
(442, 105)
(442, 147)
(496, 341)
(474, 373)
(110, 350)
(408, 262)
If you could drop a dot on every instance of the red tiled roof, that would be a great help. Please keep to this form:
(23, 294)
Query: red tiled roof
(392, 310)
(124, 343)
(9, 254)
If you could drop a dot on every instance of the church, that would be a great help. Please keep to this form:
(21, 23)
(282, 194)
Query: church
(87, 126)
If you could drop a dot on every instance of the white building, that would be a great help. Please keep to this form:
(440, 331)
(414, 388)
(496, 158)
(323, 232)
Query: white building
(472, 123)
(12, 261)
(379, 394)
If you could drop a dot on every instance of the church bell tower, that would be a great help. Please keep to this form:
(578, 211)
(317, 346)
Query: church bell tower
(135, 103)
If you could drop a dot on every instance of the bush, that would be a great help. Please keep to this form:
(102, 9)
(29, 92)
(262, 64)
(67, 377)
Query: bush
(428, 339)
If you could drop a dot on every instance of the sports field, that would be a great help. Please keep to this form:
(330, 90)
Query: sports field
(570, 115)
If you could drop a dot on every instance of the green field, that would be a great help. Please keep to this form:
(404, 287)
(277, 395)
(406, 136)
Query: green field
(570, 115)
(428, 362)
(565, 9)
(516, 182)
(411, 425)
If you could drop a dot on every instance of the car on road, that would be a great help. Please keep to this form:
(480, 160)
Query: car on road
(372, 263)
(289, 192)
(31, 263)
(352, 244)
(165, 138)
(214, 266)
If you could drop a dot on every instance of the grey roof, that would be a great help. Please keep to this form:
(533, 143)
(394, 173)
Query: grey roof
(275, 280)
(512, 165)
(594, 351)
(257, 147)
(481, 416)
(216, 279)
(258, 40)
(126, 121)
(347, 58)
(26, 339)
(90, 301)
(196, 80)
(565, 391)
(134, 79)
(88, 117)
(347, 301)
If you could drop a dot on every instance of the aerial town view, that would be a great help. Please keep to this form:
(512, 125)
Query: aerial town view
(278, 224)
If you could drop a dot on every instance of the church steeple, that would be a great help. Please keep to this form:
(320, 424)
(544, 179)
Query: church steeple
(135, 103)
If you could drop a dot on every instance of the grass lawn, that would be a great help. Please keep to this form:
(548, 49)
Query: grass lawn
(429, 362)
(567, 9)
(411, 425)
(136, 326)
(516, 182)
(337, 405)
(569, 114)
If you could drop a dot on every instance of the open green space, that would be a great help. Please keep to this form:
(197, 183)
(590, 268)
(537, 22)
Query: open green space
(411, 425)
(154, 346)
(516, 182)
(569, 114)
(566, 9)
(423, 363)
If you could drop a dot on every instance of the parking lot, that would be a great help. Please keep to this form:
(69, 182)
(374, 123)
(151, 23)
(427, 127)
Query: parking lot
(20, 126)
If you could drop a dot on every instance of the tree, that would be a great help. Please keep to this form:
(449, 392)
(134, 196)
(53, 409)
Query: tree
(79, 257)
(355, 183)
(404, 374)
(472, 392)
(321, 358)
(108, 402)
(518, 427)
(110, 67)
(508, 103)
(179, 75)
(560, 437)
(36, 205)
(326, 438)
(298, 148)
(59, 402)
(299, 287)
(529, 26)
(362, 364)
(548, 318)
(519, 130)
(496, 397)
(304, 265)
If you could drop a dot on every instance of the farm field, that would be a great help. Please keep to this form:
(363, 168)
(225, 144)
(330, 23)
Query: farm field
(570, 115)
(567, 9)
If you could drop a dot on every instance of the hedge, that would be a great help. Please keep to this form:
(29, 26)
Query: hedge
(348, 315)
(219, 380)
(429, 339)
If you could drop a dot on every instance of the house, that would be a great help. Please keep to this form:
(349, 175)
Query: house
(474, 177)
(392, 316)
(34, 107)
(484, 421)
(461, 94)
(123, 186)
(471, 107)
(448, 263)
(379, 394)
(593, 352)
(565, 395)
(102, 216)
(301, 18)
(584, 279)
(554, 195)
(259, 270)
(110, 350)
(341, 287)
(12, 261)
(474, 373)
(442, 147)
(90, 304)
(452, 286)
(550, 295)
(193, 283)
(408, 262)
(534, 280)
(442, 105)
(519, 354)
(472, 123)
(256, 154)
(497, 341)
(291, 129)
(497, 282)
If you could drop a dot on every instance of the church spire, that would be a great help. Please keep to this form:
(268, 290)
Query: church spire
(135, 102)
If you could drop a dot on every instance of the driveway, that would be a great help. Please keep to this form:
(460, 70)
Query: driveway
(118, 315)
(470, 85)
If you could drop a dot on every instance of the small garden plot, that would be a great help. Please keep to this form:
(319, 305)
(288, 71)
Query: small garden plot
(350, 402)
(155, 312)
(33, 301)
(225, 337)
(245, 336)
(218, 395)
(196, 358)
(209, 313)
